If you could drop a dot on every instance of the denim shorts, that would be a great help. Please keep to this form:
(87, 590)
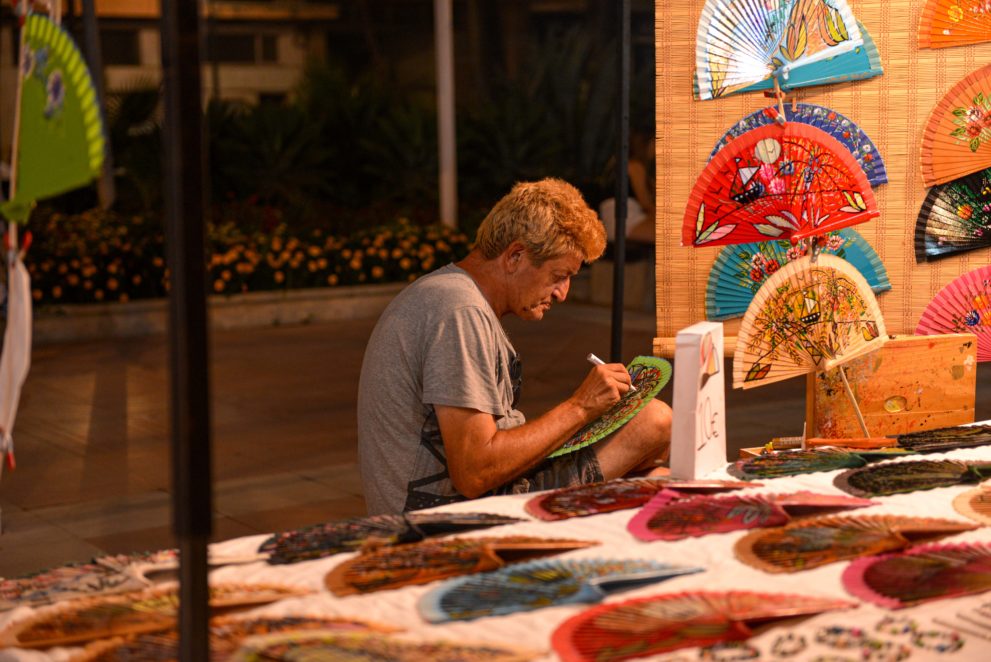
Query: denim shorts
(578, 468)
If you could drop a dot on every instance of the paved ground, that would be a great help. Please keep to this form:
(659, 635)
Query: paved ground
(92, 434)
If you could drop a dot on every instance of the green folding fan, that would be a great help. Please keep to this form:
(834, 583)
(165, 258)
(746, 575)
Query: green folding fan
(59, 138)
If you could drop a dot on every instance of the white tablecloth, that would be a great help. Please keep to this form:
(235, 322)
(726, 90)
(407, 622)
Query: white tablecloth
(533, 630)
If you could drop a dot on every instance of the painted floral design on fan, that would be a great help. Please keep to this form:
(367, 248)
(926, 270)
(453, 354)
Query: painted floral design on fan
(776, 182)
(648, 375)
(962, 306)
(794, 462)
(955, 217)
(973, 122)
(947, 23)
(900, 477)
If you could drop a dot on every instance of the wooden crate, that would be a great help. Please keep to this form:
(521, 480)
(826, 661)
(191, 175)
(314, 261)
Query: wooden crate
(912, 383)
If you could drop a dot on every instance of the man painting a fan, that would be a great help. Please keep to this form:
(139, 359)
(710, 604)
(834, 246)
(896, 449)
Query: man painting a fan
(437, 417)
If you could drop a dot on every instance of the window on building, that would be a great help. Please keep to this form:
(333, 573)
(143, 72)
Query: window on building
(268, 49)
(243, 48)
(119, 47)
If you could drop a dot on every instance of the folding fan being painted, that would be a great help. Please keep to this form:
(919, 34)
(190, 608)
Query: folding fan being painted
(742, 44)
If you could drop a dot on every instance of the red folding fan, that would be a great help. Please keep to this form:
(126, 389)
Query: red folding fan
(777, 182)
(957, 138)
(963, 306)
(946, 23)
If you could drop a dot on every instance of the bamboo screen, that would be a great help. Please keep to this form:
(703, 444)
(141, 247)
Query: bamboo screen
(892, 109)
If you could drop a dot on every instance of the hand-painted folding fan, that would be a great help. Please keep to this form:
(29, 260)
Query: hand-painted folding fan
(649, 375)
(666, 517)
(858, 64)
(740, 43)
(667, 622)
(432, 560)
(946, 23)
(957, 135)
(946, 439)
(975, 504)
(922, 574)
(794, 462)
(617, 494)
(355, 646)
(66, 582)
(86, 619)
(839, 127)
(739, 271)
(955, 217)
(777, 182)
(808, 316)
(811, 543)
(539, 584)
(898, 477)
(963, 306)
(318, 541)
(59, 140)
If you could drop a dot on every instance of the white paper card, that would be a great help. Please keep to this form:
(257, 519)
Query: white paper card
(698, 431)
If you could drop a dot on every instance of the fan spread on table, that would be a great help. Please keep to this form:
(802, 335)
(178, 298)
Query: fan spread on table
(739, 271)
(741, 43)
(86, 619)
(955, 218)
(922, 574)
(794, 462)
(811, 543)
(777, 182)
(354, 646)
(808, 316)
(667, 622)
(962, 306)
(958, 132)
(975, 504)
(617, 494)
(649, 375)
(839, 127)
(320, 540)
(898, 477)
(946, 23)
(668, 517)
(432, 560)
(539, 584)
(946, 439)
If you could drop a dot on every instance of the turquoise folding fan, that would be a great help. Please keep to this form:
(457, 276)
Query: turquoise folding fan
(746, 45)
(821, 117)
(741, 269)
(955, 217)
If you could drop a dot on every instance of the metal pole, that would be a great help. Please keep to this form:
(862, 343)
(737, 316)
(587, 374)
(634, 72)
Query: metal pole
(444, 51)
(185, 203)
(622, 186)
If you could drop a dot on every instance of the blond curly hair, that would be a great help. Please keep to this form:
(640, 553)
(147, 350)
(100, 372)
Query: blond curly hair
(549, 217)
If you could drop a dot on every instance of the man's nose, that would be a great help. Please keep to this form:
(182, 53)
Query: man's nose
(560, 293)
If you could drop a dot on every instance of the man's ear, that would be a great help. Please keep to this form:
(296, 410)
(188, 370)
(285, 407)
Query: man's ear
(514, 256)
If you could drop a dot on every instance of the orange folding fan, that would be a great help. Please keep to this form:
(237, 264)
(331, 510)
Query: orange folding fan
(947, 23)
(777, 182)
(810, 315)
(957, 138)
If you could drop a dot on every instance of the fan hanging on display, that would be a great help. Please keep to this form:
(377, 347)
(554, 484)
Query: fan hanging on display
(839, 127)
(539, 584)
(669, 517)
(955, 217)
(617, 494)
(811, 543)
(777, 182)
(741, 42)
(739, 271)
(58, 146)
(946, 23)
(900, 477)
(922, 574)
(431, 560)
(957, 135)
(648, 375)
(808, 316)
(667, 622)
(963, 306)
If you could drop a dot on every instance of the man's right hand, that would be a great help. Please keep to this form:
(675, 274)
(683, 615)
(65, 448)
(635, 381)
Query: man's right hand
(603, 387)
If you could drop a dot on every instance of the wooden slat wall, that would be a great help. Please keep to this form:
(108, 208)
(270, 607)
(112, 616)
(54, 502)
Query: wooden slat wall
(892, 109)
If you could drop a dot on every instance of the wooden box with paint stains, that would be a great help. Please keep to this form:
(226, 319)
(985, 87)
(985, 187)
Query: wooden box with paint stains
(912, 383)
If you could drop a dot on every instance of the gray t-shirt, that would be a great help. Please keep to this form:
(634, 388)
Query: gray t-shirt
(437, 343)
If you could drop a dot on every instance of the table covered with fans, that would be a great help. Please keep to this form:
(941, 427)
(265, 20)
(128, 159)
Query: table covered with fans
(834, 610)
